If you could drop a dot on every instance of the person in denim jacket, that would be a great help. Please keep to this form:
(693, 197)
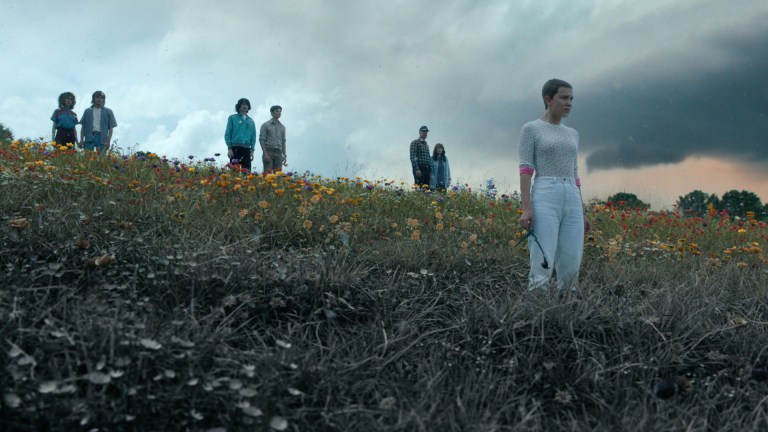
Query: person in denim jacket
(441, 169)
(97, 124)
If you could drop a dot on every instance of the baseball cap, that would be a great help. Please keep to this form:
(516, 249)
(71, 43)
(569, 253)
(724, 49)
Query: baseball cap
(424, 128)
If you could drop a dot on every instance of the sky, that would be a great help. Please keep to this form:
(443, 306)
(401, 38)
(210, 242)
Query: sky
(670, 96)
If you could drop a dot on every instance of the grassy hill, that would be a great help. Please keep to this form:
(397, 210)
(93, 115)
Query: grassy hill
(140, 293)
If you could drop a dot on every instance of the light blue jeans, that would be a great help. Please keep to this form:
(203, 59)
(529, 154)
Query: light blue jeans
(94, 143)
(92, 146)
(558, 223)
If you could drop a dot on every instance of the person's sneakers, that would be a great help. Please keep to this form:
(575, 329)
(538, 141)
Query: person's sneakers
(567, 295)
(538, 294)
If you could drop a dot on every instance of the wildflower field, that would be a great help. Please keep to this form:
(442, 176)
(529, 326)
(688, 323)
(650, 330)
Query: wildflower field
(142, 293)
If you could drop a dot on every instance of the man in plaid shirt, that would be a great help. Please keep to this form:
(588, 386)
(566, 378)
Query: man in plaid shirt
(421, 161)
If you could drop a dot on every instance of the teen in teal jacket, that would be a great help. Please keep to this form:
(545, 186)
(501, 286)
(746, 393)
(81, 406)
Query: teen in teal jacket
(240, 135)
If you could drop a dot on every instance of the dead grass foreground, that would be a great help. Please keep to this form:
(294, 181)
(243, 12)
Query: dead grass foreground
(333, 340)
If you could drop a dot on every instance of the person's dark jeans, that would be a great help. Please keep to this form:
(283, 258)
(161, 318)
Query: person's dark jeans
(426, 173)
(242, 156)
(66, 136)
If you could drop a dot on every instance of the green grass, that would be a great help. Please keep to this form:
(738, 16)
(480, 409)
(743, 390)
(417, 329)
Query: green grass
(224, 308)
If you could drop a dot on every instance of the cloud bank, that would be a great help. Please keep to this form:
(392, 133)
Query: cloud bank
(656, 82)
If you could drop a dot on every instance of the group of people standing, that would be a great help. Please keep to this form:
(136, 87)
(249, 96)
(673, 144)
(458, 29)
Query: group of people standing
(432, 171)
(240, 137)
(553, 212)
(98, 122)
(96, 125)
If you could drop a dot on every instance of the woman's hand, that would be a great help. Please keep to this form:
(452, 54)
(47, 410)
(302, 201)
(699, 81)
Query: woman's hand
(526, 219)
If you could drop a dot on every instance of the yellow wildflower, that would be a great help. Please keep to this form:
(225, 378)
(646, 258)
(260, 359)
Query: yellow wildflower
(416, 235)
(263, 204)
(307, 224)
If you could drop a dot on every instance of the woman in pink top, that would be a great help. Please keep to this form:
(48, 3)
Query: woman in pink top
(553, 211)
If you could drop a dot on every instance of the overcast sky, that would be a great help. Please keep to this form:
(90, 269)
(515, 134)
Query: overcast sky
(670, 96)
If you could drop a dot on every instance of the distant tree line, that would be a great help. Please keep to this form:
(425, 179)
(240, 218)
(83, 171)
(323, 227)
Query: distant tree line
(6, 136)
(626, 200)
(743, 204)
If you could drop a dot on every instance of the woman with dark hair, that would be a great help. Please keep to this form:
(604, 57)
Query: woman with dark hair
(553, 211)
(64, 121)
(441, 169)
(240, 135)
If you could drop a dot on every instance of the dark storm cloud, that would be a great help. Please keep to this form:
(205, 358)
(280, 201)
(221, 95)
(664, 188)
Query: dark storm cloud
(696, 111)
